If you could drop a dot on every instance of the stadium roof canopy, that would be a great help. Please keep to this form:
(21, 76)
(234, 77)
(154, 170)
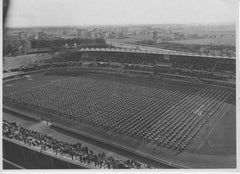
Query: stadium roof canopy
(168, 52)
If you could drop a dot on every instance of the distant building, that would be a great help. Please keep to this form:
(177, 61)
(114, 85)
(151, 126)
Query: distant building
(106, 34)
(99, 35)
(139, 32)
(83, 34)
(23, 35)
(93, 35)
(26, 46)
(36, 36)
(121, 30)
(42, 35)
(154, 37)
(202, 49)
(158, 40)
(166, 36)
(75, 45)
(66, 45)
(72, 32)
(215, 52)
(179, 36)
(65, 33)
(11, 37)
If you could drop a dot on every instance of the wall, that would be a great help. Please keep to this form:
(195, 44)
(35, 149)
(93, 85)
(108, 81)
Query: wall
(29, 158)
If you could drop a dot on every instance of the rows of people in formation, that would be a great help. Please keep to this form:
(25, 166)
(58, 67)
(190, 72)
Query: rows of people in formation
(75, 151)
(169, 116)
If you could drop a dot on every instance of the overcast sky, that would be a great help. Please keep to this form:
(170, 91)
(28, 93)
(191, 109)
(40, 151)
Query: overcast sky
(103, 12)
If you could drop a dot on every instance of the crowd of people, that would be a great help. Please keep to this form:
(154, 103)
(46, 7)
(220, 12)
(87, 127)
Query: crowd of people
(157, 113)
(75, 151)
(153, 69)
(194, 67)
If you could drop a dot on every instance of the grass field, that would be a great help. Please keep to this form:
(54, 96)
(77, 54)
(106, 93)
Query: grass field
(146, 113)
(221, 138)
(117, 94)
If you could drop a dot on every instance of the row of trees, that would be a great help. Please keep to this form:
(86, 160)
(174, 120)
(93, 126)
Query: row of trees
(18, 47)
(37, 44)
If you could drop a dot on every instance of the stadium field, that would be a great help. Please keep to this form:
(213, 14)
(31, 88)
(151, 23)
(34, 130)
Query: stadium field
(170, 122)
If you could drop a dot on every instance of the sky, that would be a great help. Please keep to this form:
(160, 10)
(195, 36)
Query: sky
(27, 13)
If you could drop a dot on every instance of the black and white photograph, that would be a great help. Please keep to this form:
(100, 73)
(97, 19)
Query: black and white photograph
(119, 84)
